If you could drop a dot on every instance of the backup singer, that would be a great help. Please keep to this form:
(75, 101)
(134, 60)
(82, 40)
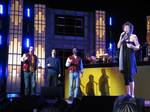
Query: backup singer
(30, 63)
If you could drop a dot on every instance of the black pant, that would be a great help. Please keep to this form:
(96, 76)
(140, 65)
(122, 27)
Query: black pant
(52, 80)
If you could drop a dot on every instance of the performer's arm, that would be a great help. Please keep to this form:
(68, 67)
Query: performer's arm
(59, 69)
(137, 45)
(47, 62)
(136, 42)
(68, 62)
(81, 66)
(119, 44)
(120, 39)
(24, 58)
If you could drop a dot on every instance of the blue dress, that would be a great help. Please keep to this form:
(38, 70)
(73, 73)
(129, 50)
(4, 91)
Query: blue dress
(129, 60)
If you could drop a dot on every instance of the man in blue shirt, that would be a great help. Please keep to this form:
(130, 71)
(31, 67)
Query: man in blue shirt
(53, 69)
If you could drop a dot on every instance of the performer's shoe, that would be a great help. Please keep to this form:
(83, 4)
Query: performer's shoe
(70, 98)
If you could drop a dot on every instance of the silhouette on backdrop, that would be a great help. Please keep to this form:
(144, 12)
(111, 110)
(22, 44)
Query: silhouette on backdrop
(90, 86)
(80, 93)
(103, 84)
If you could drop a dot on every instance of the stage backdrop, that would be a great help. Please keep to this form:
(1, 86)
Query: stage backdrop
(108, 81)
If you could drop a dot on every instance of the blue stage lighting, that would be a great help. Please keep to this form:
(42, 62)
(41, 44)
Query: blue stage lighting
(110, 46)
(28, 12)
(12, 95)
(0, 70)
(0, 39)
(27, 42)
(110, 21)
(1, 9)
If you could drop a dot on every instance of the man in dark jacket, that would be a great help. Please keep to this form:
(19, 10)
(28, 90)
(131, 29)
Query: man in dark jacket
(53, 69)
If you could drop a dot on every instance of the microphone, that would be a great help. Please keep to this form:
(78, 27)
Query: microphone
(123, 34)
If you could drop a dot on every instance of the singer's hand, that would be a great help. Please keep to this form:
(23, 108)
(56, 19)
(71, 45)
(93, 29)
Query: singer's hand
(129, 45)
(59, 75)
(49, 65)
(123, 33)
(122, 36)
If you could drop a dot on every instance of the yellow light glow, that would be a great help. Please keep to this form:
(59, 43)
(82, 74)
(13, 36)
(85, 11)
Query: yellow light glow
(39, 28)
(15, 43)
(41, 18)
(9, 68)
(100, 32)
(16, 5)
(14, 73)
(43, 28)
(16, 20)
(15, 59)
(19, 60)
(20, 8)
(39, 51)
(11, 47)
(43, 52)
(40, 15)
(12, 7)
(148, 23)
(43, 63)
(20, 19)
(19, 47)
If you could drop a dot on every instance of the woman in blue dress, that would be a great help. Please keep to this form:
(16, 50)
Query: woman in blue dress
(128, 44)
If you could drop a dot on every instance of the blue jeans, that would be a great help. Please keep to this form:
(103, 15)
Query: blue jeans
(29, 78)
(73, 84)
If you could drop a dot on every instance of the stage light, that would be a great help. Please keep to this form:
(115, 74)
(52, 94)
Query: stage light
(13, 95)
(110, 21)
(110, 46)
(28, 12)
(1, 71)
(1, 9)
(27, 42)
(0, 39)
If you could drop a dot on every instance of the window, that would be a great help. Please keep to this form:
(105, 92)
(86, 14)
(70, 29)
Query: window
(69, 25)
